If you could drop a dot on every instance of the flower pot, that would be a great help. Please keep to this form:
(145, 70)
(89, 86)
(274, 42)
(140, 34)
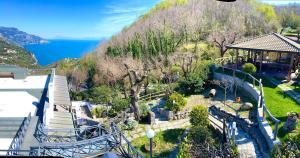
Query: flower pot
(238, 99)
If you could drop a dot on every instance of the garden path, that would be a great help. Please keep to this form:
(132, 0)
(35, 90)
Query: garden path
(293, 94)
(247, 146)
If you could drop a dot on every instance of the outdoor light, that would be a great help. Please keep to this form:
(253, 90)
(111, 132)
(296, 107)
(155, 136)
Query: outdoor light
(150, 134)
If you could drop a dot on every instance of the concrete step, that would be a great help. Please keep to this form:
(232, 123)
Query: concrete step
(9, 128)
(8, 134)
(65, 126)
(66, 122)
(11, 121)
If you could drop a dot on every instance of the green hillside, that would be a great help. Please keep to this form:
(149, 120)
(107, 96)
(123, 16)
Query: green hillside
(15, 55)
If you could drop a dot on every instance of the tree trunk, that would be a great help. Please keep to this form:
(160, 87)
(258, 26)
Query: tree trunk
(134, 103)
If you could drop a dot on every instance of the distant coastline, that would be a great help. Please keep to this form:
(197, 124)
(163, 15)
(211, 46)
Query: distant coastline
(55, 50)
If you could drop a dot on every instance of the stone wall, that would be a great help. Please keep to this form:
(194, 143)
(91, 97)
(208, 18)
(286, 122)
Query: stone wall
(264, 126)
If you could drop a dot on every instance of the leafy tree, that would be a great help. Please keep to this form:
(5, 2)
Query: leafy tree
(176, 102)
(199, 116)
(249, 68)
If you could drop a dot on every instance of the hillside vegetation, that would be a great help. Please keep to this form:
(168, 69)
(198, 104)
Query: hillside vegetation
(172, 27)
(14, 36)
(15, 55)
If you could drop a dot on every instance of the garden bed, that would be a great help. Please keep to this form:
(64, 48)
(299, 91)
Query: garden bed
(165, 142)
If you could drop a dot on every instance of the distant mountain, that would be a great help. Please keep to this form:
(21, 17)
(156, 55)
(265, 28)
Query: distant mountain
(14, 36)
(294, 6)
(15, 55)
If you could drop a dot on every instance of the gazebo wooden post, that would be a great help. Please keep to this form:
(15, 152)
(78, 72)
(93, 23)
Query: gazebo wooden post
(261, 60)
(237, 58)
(291, 66)
(248, 58)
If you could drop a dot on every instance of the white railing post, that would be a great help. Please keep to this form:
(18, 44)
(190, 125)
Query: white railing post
(50, 108)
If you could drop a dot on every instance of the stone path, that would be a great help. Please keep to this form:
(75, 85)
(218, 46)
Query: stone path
(159, 126)
(286, 89)
(247, 146)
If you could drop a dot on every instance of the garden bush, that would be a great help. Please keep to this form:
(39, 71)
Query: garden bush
(120, 104)
(249, 68)
(199, 116)
(129, 125)
(176, 102)
(184, 149)
(112, 112)
(98, 111)
(143, 109)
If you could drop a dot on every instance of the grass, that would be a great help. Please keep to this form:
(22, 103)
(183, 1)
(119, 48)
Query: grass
(165, 142)
(279, 104)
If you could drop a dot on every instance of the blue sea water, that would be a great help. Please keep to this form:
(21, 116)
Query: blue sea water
(56, 50)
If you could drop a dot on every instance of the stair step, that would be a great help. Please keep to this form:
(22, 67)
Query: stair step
(60, 126)
(8, 134)
(61, 122)
(9, 128)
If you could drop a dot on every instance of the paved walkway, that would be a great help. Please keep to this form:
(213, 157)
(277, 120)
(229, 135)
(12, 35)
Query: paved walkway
(247, 146)
(286, 89)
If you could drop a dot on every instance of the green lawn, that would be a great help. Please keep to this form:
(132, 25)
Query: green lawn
(279, 105)
(165, 142)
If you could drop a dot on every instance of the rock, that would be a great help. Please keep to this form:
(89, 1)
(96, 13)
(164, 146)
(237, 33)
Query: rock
(246, 106)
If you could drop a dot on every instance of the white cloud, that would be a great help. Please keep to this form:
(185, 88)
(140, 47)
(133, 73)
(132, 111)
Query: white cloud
(117, 17)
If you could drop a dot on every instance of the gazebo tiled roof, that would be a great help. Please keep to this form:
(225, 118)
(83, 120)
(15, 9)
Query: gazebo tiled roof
(270, 43)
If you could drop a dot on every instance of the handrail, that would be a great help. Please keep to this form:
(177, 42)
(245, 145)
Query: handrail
(131, 148)
(261, 102)
(17, 141)
(151, 95)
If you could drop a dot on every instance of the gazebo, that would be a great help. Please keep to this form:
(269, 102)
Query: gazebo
(258, 50)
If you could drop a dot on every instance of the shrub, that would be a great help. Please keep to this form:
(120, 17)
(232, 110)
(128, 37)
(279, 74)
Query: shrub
(199, 116)
(97, 111)
(184, 149)
(200, 135)
(131, 124)
(176, 102)
(144, 109)
(249, 68)
(120, 104)
(112, 112)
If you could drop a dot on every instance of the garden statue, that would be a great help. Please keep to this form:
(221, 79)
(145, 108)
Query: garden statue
(151, 117)
(291, 122)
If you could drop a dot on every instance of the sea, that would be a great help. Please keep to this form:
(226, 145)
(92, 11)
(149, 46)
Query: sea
(56, 50)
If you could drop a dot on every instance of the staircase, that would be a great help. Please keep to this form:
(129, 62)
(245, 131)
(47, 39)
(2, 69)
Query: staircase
(9, 126)
(61, 120)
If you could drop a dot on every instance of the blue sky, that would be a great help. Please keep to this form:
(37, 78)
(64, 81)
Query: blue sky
(281, 2)
(82, 19)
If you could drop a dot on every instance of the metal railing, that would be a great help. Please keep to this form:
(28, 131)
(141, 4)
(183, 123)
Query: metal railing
(127, 150)
(17, 141)
(261, 103)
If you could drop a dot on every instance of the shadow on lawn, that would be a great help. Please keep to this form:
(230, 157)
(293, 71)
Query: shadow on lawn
(173, 135)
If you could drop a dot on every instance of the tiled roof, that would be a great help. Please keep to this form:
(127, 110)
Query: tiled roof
(271, 42)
